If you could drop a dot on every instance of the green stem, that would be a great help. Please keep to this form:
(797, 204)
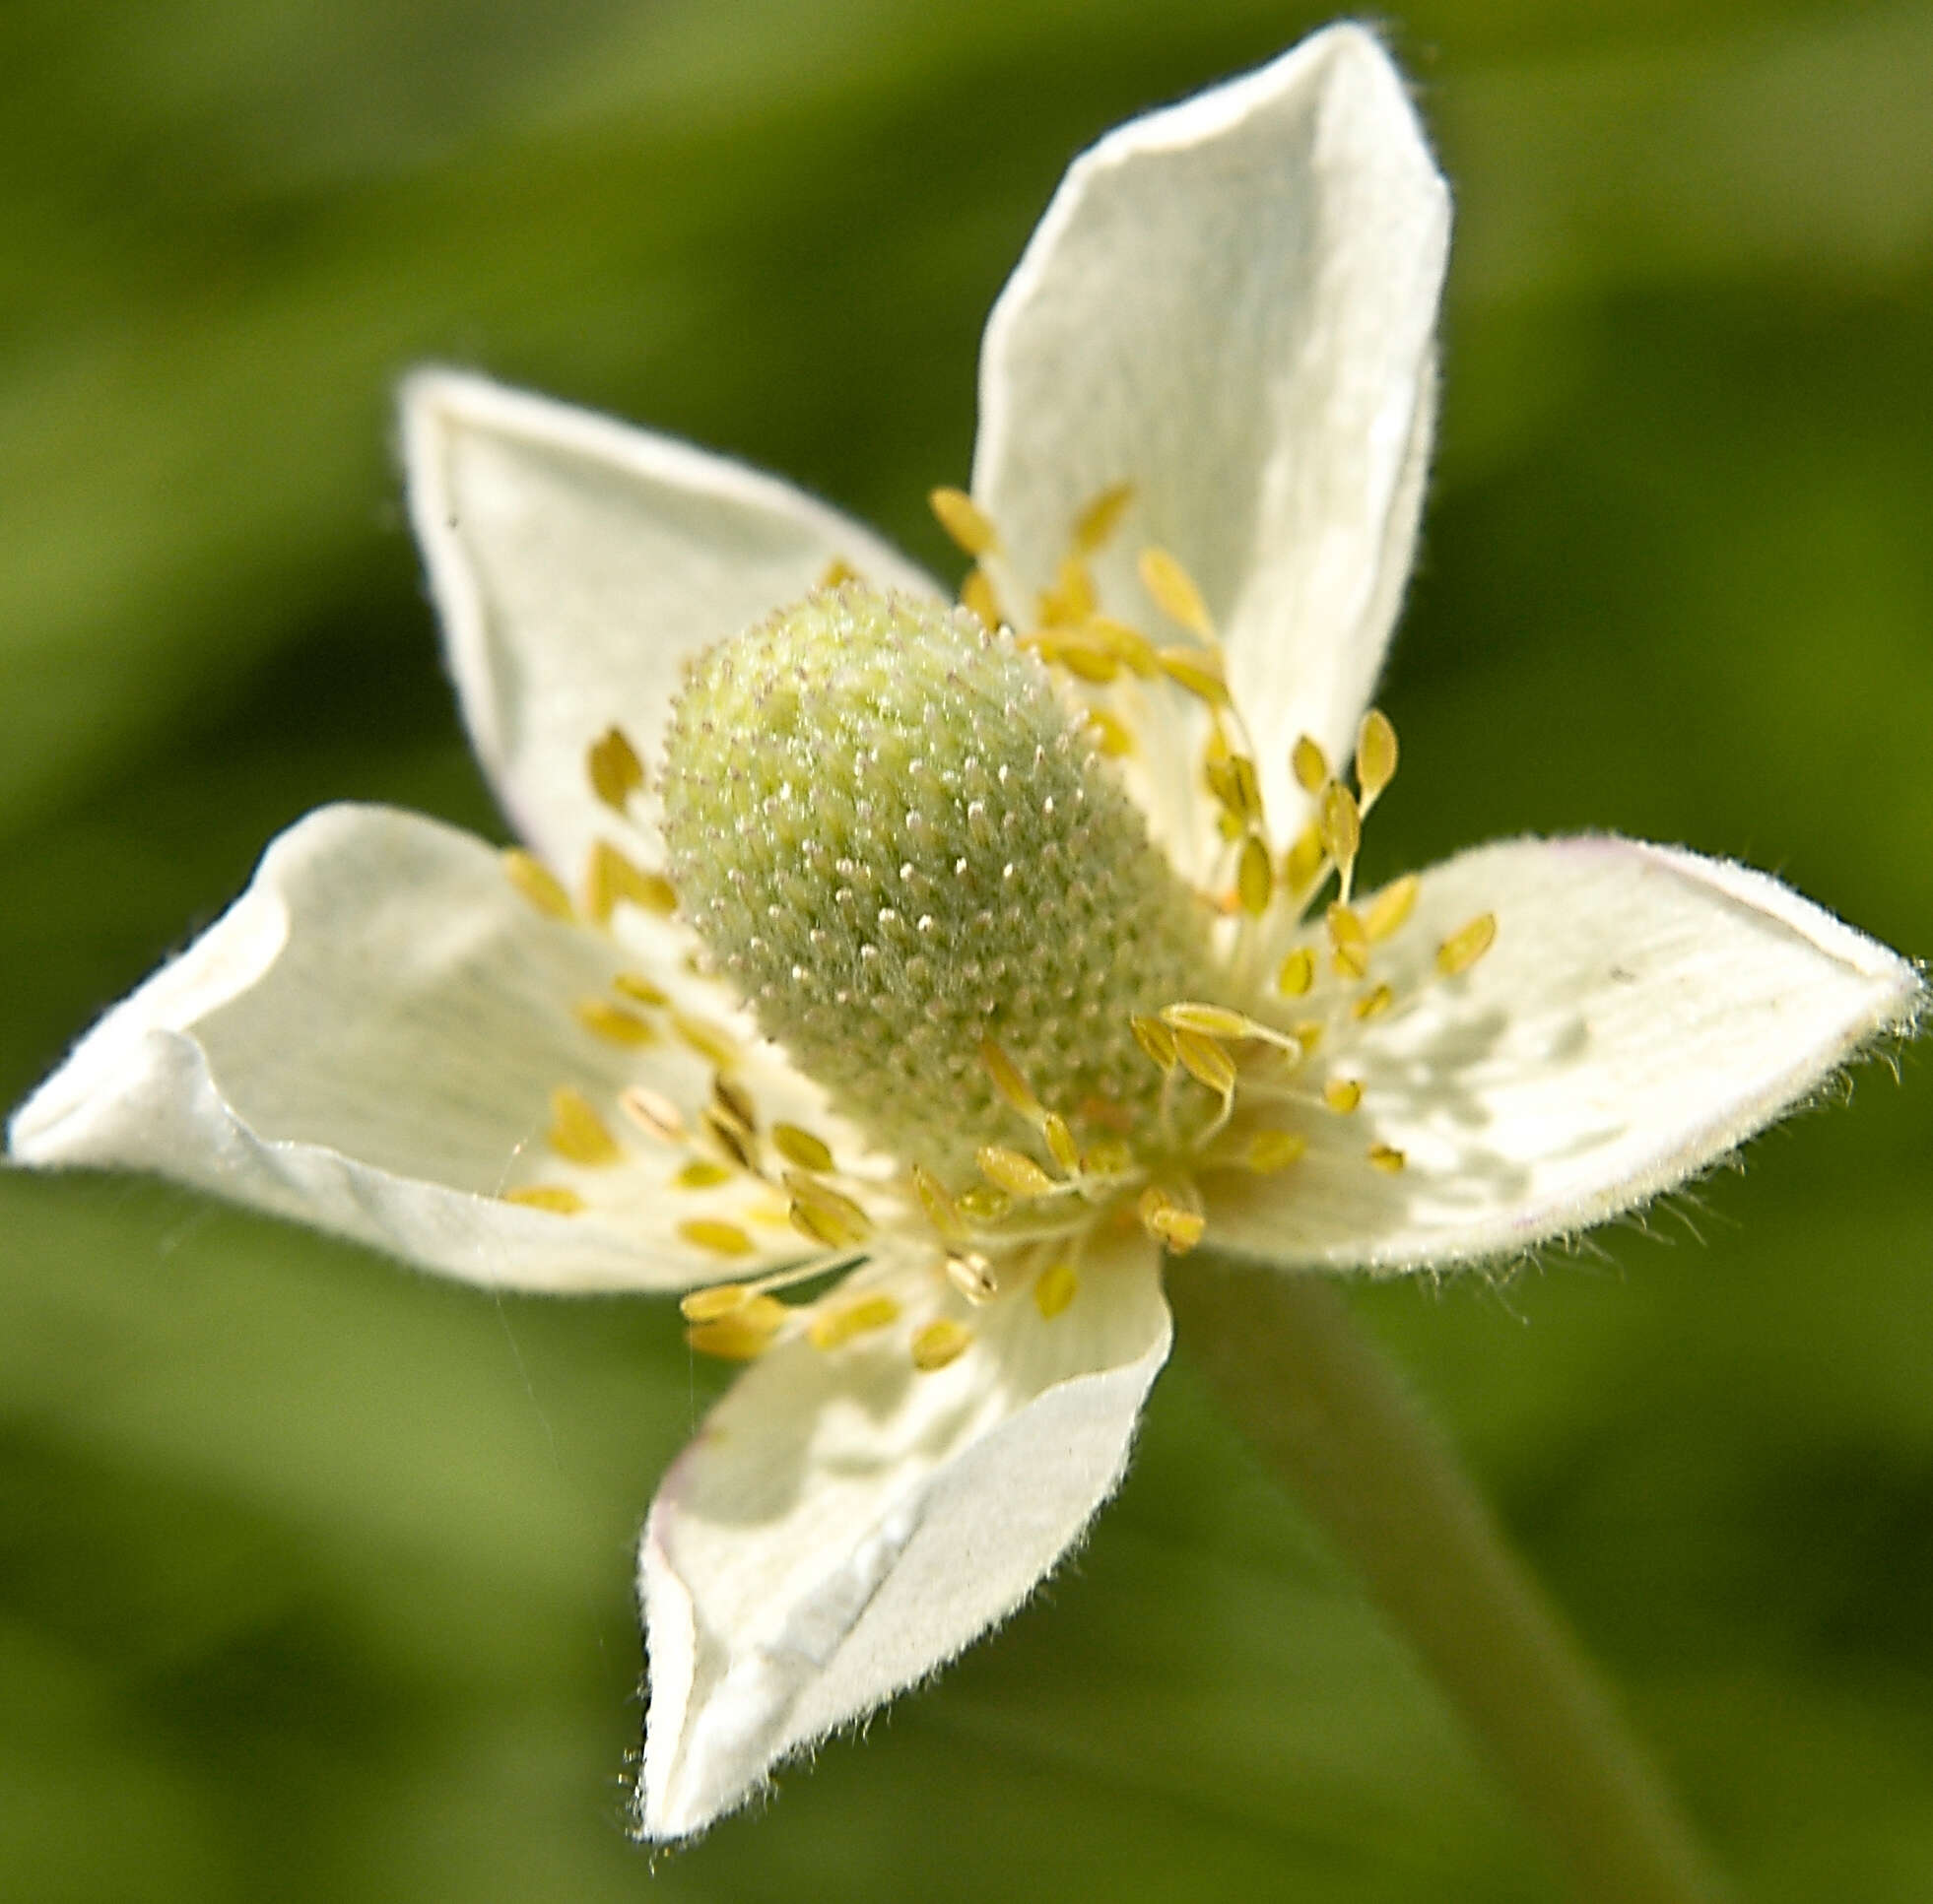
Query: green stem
(1334, 1423)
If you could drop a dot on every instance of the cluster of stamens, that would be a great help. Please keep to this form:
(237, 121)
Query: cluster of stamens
(894, 832)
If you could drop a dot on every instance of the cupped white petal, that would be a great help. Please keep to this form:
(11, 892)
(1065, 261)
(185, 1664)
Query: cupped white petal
(577, 564)
(844, 1524)
(1642, 1011)
(370, 1039)
(1232, 305)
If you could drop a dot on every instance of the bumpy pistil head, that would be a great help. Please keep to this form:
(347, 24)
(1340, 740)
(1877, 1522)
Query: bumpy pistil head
(892, 835)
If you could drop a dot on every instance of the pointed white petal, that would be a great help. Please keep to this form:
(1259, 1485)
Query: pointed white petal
(1641, 1012)
(844, 1524)
(368, 1041)
(577, 564)
(1232, 305)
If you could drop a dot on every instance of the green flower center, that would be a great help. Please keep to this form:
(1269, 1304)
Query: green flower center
(895, 839)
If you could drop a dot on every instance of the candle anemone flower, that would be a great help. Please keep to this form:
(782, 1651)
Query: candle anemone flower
(910, 978)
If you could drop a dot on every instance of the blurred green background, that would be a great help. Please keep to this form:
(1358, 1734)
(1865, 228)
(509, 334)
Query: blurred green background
(313, 1574)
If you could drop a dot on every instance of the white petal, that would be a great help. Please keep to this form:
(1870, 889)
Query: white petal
(577, 564)
(1641, 1012)
(1231, 304)
(368, 1041)
(844, 1524)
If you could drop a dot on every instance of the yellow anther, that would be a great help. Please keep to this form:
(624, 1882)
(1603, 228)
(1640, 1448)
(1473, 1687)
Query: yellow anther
(1173, 1227)
(1110, 1157)
(1254, 877)
(1054, 1289)
(1342, 1095)
(1013, 1170)
(611, 1022)
(1156, 1040)
(611, 880)
(537, 882)
(1309, 765)
(1097, 523)
(558, 1198)
(736, 1102)
(701, 1174)
(983, 1202)
(800, 1146)
(1211, 1020)
(838, 572)
(969, 526)
(1175, 592)
(972, 1275)
(1008, 1081)
(1198, 671)
(939, 1344)
(1296, 976)
(577, 1132)
(1374, 1003)
(1071, 599)
(1303, 864)
(1204, 1060)
(1133, 647)
(1308, 1034)
(639, 989)
(1351, 940)
(613, 768)
(1375, 755)
(838, 1325)
(1060, 1142)
(707, 1040)
(1112, 737)
(652, 1111)
(743, 1333)
(720, 1238)
(1386, 1156)
(940, 1209)
(1084, 660)
(1269, 1150)
(1340, 824)
(731, 1137)
(977, 593)
(720, 1299)
(825, 1216)
(1466, 945)
(1391, 908)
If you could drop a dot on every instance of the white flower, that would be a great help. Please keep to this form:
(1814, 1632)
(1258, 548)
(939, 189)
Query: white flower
(1207, 401)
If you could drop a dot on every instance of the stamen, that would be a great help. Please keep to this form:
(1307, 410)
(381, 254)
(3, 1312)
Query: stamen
(1297, 974)
(613, 768)
(940, 1209)
(537, 882)
(1084, 660)
(743, 1334)
(838, 572)
(706, 1040)
(611, 880)
(558, 1198)
(720, 1238)
(1175, 592)
(1466, 945)
(1386, 1158)
(1204, 1060)
(939, 1344)
(577, 1132)
(838, 1325)
(1271, 1150)
(1008, 1081)
(1342, 1095)
(1110, 735)
(1198, 671)
(611, 1022)
(1130, 645)
(969, 526)
(701, 1174)
(1372, 1004)
(731, 1137)
(1309, 765)
(1014, 1171)
(641, 991)
(1095, 526)
(1175, 1228)
(978, 595)
(652, 1111)
(718, 1299)
(1375, 755)
(736, 1102)
(1155, 1039)
(1391, 908)
(1054, 1289)
(823, 1214)
(1341, 824)
(972, 1275)
(1060, 1142)
(1351, 940)
(1254, 877)
(800, 1146)
(1071, 599)
(1303, 864)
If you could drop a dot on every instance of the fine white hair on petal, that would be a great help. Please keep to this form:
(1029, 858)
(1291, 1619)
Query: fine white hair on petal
(1641, 1012)
(844, 1524)
(367, 1041)
(1232, 305)
(578, 564)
